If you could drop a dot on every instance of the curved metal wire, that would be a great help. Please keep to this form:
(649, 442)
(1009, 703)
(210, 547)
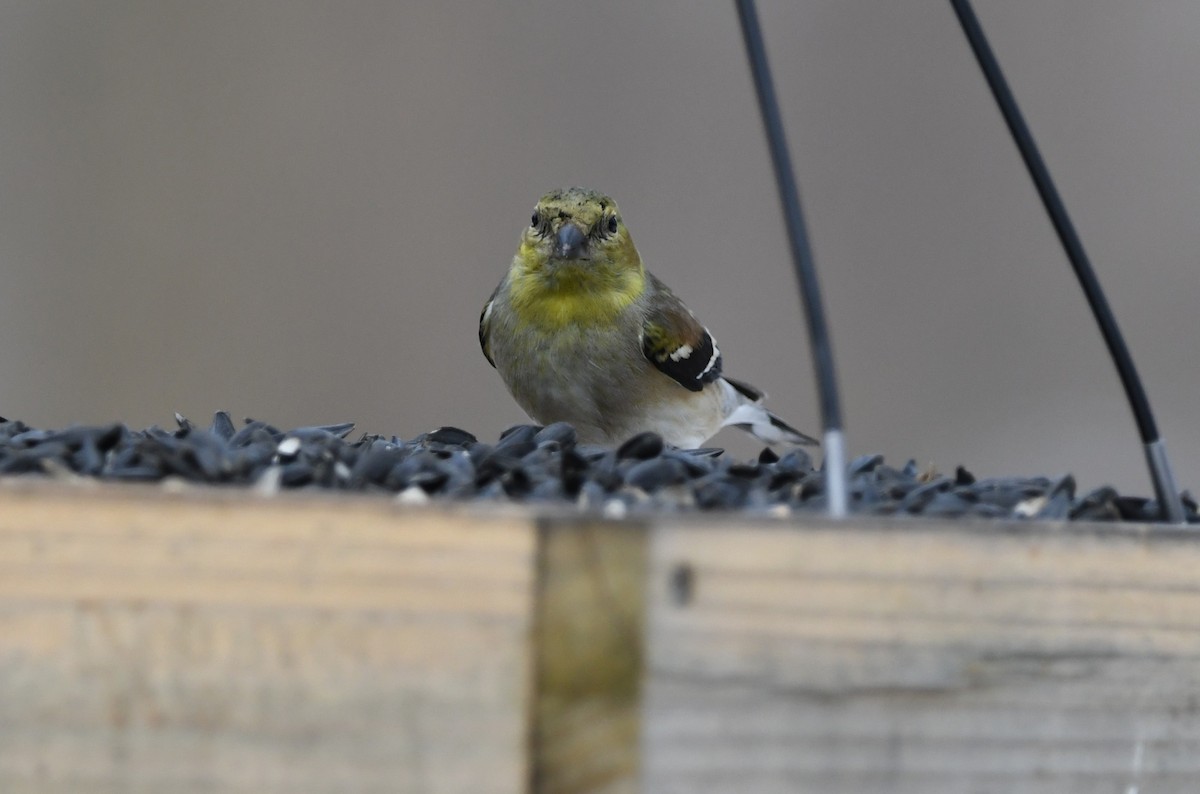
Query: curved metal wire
(1155, 450)
(802, 259)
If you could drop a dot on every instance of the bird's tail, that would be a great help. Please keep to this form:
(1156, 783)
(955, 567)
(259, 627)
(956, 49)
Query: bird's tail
(750, 415)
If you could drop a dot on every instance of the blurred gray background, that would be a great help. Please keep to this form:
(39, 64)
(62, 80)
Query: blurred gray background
(295, 210)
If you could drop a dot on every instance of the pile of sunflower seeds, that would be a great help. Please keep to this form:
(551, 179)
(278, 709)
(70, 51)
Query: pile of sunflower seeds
(536, 465)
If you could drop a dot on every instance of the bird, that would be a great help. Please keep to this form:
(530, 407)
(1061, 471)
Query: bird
(581, 332)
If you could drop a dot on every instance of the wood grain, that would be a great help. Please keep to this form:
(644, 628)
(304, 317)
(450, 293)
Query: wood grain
(589, 657)
(901, 657)
(188, 644)
(216, 641)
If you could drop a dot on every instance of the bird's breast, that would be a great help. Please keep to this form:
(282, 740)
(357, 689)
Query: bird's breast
(558, 298)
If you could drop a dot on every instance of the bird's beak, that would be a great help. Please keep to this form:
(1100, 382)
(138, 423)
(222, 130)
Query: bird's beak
(571, 242)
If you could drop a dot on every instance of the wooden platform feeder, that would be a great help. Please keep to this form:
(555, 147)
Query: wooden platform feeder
(216, 641)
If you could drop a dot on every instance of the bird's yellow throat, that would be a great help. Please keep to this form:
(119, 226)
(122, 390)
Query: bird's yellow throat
(554, 297)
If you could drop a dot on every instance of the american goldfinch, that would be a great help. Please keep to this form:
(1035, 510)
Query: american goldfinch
(582, 333)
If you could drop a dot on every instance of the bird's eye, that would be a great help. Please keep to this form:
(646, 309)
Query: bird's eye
(535, 221)
(612, 224)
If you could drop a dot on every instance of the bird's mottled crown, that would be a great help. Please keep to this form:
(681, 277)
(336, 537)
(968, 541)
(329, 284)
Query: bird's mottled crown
(578, 195)
(580, 204)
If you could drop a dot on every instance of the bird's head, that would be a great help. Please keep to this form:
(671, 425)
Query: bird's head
(576, 240)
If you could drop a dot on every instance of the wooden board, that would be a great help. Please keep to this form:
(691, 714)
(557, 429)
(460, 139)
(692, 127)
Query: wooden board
(905, 657)
(151, 644)
(215, 641)
(589, 651)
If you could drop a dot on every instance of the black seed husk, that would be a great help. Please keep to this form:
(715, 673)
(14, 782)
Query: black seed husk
(544, 465)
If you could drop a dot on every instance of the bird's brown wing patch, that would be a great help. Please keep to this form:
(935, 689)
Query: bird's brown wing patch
(677, 344)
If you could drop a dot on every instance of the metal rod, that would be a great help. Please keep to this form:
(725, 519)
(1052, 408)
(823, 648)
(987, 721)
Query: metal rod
(835, 473)
(802, 259)
(1160, 467)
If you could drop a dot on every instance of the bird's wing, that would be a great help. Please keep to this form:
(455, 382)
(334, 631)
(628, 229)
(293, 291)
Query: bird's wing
(751, 393)
(485, 323)
(674, 341)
